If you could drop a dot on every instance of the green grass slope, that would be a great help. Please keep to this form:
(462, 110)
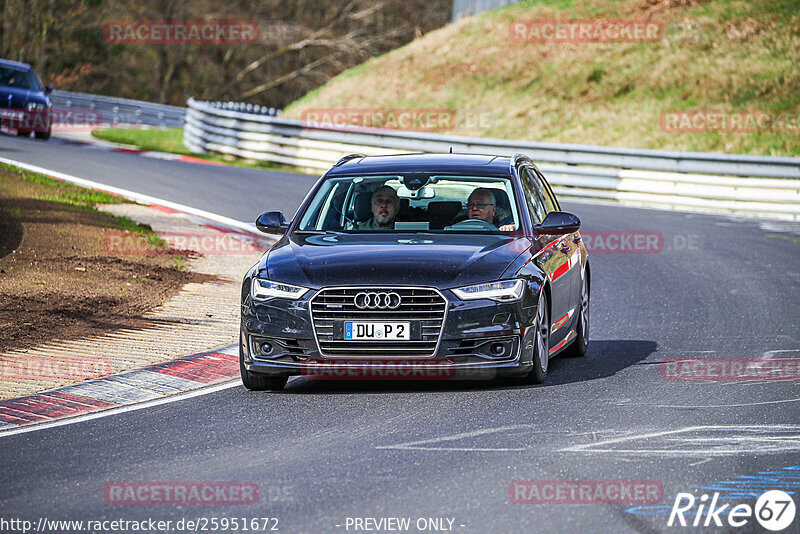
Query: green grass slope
(722, 55)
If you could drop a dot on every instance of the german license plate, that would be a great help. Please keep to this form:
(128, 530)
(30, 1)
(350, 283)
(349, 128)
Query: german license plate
(355, 330)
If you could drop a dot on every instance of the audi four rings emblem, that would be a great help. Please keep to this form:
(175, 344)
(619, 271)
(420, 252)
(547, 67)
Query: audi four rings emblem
(377, 301)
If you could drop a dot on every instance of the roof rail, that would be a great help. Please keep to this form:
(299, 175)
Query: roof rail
(348, 158)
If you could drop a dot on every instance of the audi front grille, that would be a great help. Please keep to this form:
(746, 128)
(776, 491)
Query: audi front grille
(424, 308)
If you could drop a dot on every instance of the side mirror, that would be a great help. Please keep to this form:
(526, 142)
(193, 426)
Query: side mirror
(48, 89)
(272, 222)
(558, 223)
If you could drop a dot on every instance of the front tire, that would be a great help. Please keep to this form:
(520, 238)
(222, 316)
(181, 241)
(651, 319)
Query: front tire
(44, 136)
(259, 382)
(541, 346)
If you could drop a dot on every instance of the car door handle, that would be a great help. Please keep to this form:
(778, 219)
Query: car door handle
(564, 249)
(577, 240)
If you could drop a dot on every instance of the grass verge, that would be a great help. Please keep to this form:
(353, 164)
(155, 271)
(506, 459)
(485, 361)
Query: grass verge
(171, 140)
(59, 279)
(721, 55)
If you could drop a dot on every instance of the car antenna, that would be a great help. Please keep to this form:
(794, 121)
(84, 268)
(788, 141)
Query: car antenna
(451, 150)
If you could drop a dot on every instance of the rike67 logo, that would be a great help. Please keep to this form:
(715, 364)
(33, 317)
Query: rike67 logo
(774, 510)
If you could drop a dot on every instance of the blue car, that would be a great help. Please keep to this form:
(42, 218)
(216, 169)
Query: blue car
(24, 105)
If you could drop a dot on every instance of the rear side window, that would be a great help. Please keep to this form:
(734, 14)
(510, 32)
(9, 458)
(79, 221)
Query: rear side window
(547, 196)
(533, 195)
(550, 201)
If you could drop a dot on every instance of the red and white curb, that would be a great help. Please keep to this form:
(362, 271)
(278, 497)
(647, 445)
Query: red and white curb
(98, 144)
(149, 153)
(152, 383)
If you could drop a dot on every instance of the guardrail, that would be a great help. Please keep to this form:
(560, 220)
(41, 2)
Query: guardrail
(122, 111)
(691, 181)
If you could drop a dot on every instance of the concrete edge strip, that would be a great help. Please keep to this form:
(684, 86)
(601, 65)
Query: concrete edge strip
(146, 386)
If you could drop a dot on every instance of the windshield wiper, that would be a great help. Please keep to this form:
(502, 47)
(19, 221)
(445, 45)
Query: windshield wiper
(318, 232)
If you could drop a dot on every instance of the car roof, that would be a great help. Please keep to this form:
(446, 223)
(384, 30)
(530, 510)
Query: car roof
(15, 64)
(466, 164)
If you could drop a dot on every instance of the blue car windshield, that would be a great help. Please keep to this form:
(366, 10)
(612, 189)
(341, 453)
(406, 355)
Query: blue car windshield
(412, 203)
(20, 79)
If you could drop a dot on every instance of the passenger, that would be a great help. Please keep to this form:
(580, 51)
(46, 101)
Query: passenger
(385, 205)
(482, 205)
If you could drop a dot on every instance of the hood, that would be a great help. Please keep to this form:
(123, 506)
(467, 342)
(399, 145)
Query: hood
(442, 261)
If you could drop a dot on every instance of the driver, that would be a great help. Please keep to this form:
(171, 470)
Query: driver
(385, 205)
(482, 205)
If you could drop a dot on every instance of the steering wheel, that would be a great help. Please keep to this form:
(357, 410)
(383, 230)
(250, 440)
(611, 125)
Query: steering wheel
(473, 223)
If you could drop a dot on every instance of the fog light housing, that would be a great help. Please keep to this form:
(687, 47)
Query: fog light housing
(265, 349)
(498, 349)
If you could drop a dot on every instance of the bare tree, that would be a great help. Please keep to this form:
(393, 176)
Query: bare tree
(301, 45)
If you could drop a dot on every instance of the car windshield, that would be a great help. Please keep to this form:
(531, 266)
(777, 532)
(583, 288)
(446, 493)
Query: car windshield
(412, 203)
(20, 79)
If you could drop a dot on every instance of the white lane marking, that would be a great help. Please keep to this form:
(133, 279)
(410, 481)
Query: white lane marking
(692, 406)
(430, 444)
(121, 409)
(137, 197)
(415, 445)
(733, 439)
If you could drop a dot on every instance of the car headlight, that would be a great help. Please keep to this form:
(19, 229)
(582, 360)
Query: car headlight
(502, 291)
(35, 106)
(262, 289)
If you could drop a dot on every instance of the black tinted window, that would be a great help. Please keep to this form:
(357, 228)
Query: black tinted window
(532, 195)
(550, 202)
(19, 79)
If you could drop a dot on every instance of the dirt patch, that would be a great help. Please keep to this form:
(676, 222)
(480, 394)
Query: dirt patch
(663, 6)
(57, 278)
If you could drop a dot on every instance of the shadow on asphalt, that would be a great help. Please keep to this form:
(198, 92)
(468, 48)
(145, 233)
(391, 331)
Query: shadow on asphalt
(605, 358)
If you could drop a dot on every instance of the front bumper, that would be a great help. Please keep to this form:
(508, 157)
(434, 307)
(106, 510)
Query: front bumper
(479, 339)
(24, 120)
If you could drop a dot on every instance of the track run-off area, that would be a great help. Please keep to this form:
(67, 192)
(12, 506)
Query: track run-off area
(710, 289)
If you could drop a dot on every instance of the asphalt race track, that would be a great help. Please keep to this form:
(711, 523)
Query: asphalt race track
(323, 452)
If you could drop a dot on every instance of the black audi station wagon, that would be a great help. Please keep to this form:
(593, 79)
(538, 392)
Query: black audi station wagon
(418, 266)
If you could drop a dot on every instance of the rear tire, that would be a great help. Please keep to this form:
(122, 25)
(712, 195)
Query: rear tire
(541, 345)
(580, 344)
(259, 382)
(22, 134)
(44, 136)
